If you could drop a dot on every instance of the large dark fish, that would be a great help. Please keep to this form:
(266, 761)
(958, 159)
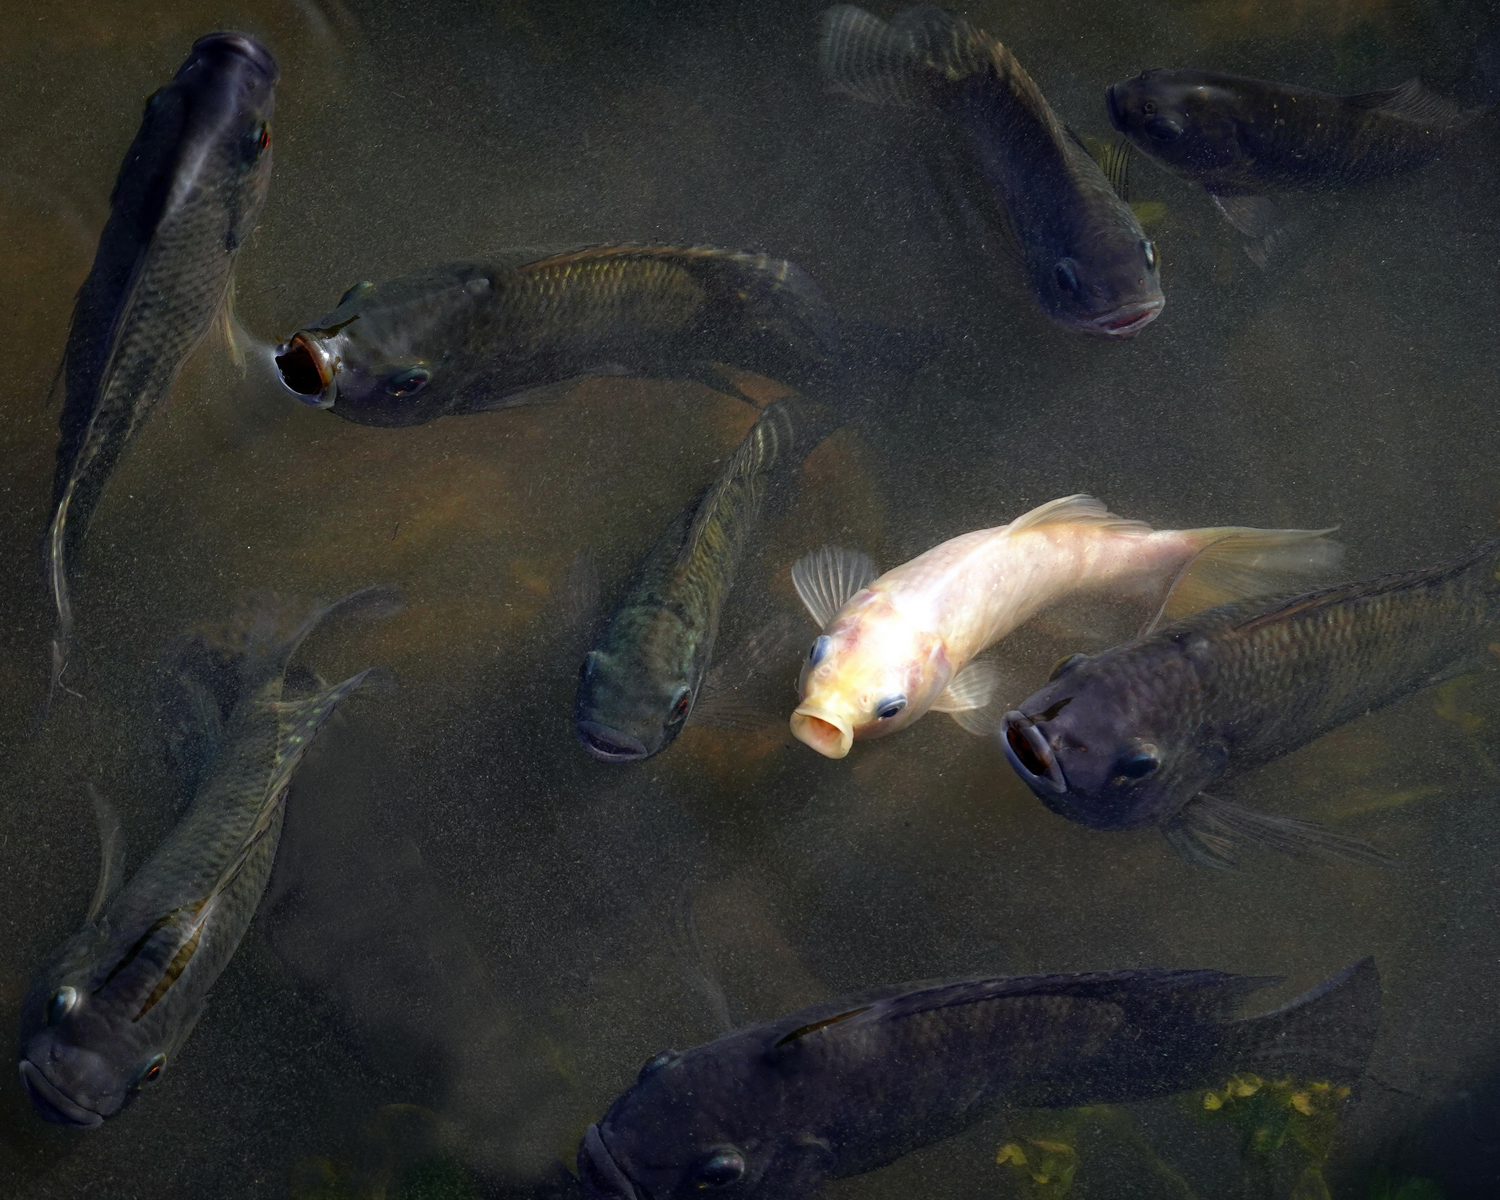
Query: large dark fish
(646, 669)
(1084, 255)
(849, 1085)
(1130, 738)
(117, 1001)
(471, 336)
(186, 198)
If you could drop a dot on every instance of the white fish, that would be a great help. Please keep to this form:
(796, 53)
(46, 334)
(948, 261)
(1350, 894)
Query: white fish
(896, 646)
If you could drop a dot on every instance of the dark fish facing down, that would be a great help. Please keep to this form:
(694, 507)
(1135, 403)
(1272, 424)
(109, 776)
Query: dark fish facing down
(1130, 738)
(466, 337)
(185, 200)
(646, 669)
(117, 1001)
(849, 1085)
(1083, 253)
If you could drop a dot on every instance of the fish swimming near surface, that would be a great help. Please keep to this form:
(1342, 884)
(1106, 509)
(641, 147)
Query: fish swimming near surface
(850, 1085)
(1081, 248)
(1131, 738)
(645, 673)
(896, 646)
(467, 337)
(117, 1001)
(186, 198)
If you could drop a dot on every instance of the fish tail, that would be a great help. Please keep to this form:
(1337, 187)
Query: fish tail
(1324, 1034)
(1231, 563)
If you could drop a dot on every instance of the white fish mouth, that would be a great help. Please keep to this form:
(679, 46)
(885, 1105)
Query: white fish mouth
(1127, 320)
(307, 370)
(829, 735)
(50, 1102)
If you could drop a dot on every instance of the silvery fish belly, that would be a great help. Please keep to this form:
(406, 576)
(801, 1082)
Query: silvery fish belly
(186, 198)
(116, 1002)
(465, 337)
(1132, 737)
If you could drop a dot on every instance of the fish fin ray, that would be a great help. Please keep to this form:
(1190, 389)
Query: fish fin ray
(1255, 216)
(1412, 102)
(1326, 1032)
(1077, 509)
(227, 328)
(861, 56)
(972, 697)
(1215, 823)
(1234, 563)
(828, 577)
(1115, 162)
(723, 708)
(111, 853)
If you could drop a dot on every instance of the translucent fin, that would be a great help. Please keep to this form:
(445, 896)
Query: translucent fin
(111, 853)
(577, 592)
(57, 585)
(970, 697)
(228, 329)
(301, 720)
(687, 947)
(827, 578)
(1325, 1033)
(1254, 216)
(1412, 102)
(1114, 161)
(723, 702)
(862, 56)
(1076, 510)
(1208, 831)
(1236, 563)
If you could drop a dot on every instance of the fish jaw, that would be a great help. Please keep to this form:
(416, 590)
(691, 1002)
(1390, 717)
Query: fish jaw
(307, 370)
(609, 745)
(600, 1175)
(1030, 756)
(1127, 320)
(52, 1104)
(830, 734)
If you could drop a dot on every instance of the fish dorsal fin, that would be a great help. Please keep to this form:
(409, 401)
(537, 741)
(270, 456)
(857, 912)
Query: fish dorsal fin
(829, 577)
(1410, 101)
(1208, 831)
(1076, 510)
(861, 56)
(111, 852)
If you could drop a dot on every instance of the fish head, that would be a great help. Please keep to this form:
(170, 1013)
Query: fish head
(1185, 119)
(1099, 274)
(634, 699)
(874, 671)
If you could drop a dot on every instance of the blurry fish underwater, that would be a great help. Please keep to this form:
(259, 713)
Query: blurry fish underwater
(646, 670)
(185, 200)
(467, 337)
(1130, 738)
(849, 1085)
(894, 647)
(117, 1001)
(1084, 255)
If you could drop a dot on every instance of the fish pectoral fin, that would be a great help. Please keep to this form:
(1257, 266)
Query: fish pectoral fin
(577, 593)
(1412, 102)
(111, 853)
(829, 577)
(1115, 162)
(970, 699)
(1254, 216)
(725, 708)
(229, 330)
(1208, 831)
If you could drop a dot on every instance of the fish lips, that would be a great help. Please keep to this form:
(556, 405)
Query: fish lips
(1030, 756)
(50, 1102)
(609, 745)
(601, 1176)
(1127, 320)
(308, 370)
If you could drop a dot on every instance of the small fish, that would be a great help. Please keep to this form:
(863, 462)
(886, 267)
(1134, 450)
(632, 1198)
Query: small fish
(896, 646)
(849, 1085)
(1130, 738)
(186, 198)
(645, 672)
(117, 1001)
(468, 337)
(1087, 262)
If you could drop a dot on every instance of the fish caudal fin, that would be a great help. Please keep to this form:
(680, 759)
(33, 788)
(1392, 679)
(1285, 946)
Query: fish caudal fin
(862, 56)
(829, 577)
(1232, 563)
(1324, 1034)
(970, 698)
(1208, 831)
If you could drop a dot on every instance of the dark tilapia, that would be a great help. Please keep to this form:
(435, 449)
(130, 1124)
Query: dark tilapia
(1130, 738)
(1084, 255)
(849, 1085)
(646, 669)
(184, 202)
(470, 336)
(117, 1000)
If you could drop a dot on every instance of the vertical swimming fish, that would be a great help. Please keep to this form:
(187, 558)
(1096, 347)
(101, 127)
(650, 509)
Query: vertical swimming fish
(645, 672)
(185, 200)
(117, 1001)
(1084, 255)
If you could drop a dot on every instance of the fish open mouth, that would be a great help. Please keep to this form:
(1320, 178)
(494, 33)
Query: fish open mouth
(51, 1104)
(306, 371)
(1030, 756)
(600, 1175)
(828, 735)
(609, 745)
(1129, 319)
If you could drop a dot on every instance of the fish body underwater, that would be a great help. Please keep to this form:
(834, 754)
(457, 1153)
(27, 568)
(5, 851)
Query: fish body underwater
(896, 646)
(116, 1002)
(186, 198)
(467, 337)
(645, 672)
(849, 1085)
(1083, 253)
(1129, 738)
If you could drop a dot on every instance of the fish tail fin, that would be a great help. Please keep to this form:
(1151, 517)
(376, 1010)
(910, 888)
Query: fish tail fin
(1324, 1034)
(266, 647)
(1232, 563)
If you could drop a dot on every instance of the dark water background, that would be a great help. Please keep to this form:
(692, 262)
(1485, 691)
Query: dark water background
(475, 934)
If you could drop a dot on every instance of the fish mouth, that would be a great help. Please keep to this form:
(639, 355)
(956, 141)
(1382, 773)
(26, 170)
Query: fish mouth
(1112, 103)
(1127, 320)
(600, 1175)
(1030, 756)
(830, 736)
(609, 745)
(242, 45)
(307, 370)
(51, 1104)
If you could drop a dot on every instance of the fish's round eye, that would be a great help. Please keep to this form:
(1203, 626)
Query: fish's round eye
(1063, 664)
(61, 1004)
(1149, 106)
(720, 1171)
(889, 708)
(408, 383)
(1148, 248)
(683, 703)
(1066, 273)
(819, 650)
(1138, 762)
(151, 1072)
(1160, 129)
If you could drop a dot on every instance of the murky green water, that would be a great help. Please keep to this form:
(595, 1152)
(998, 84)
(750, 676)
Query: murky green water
(475, 934)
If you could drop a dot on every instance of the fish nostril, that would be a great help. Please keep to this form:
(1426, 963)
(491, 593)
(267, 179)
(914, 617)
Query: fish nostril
(299, 368)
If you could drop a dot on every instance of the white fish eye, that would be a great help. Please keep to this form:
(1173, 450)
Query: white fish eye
(819, 650)
(408, 383)
(721, 1170)
(1148, 248)
(889, 708)
(61, 1004)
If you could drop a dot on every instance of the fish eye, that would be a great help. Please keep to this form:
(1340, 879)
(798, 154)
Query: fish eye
(1063, 664)
(720, 1171)
(1066, 273)
(408, 383)
(652, 1065)
(681, 705)
(151, 1072)
(1149, 106)
(61, 1004)
(819, 650)
(889, 708)
(1148, 248)
(1139, 762)
(265, 136)
(1161, 129)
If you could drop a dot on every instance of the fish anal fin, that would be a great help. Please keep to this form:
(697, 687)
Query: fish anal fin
(1076, 510)
(829, 577)
(1216, 828)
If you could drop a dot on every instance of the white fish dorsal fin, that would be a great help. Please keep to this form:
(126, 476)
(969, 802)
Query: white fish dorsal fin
(111, 852)
(1076, 510)
(827, 578)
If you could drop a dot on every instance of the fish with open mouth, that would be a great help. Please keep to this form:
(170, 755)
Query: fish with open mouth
(1087, 261)
(849, 1085)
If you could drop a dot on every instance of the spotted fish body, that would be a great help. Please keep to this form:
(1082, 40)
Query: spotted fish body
(465, 337)
(117, 1001)
(186, 198)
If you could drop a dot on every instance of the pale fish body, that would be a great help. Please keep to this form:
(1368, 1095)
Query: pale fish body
(896, 646)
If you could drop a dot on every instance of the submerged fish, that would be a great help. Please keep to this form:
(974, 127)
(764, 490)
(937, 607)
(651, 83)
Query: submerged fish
(646, 670)
(186, 198)
(1084, 255)
(117, 1001)
(896, 646)
(466, 337)
(1130, 738)
(849, 1085)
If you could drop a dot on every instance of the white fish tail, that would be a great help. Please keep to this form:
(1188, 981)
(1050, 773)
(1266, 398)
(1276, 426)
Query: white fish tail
(1233, 563)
